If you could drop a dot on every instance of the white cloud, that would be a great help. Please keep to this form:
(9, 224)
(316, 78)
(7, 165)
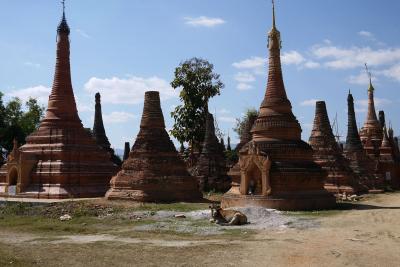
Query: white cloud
(83, 33)
(256, 64)
(360, 79)
(244, 77)
(31, 64)
(309, 102)
(311, 64)
(393, 72)
(129, 90)
(83, 107)
(243, 86)
(366, 34)
(355, 57)
(40, 93)
(203, 21)
(292, 58)
(118, 117)
(362, 104)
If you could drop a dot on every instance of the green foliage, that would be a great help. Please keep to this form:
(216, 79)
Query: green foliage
(198, 83)
(17, 123)
(250, 115)
(232, 156)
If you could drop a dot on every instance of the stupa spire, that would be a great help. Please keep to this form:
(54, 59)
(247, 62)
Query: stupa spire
(372, 128)
(371, 116)
(62, 106)
(99, 132)
(273, 14)
(353, 141)
(275, 109)
(322, 134)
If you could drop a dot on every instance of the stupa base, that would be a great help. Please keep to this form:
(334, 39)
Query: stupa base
(57, 191)
(158, 195)
(341, 189)
(314, 201)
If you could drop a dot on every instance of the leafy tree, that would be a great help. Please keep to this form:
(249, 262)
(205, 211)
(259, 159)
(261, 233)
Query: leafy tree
(198, 83)
(250, 115)
(16, 123)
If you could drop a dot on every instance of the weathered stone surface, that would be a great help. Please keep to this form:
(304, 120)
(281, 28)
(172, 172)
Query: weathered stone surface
(60, 159)
(276, 166)
(371, 133)
(153, 171)
(389, 164)
(211, 167)
(362, 165)
(99, 133)
(328, 154)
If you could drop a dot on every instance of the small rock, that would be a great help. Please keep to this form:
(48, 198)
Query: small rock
(182, 216)
(65, 217)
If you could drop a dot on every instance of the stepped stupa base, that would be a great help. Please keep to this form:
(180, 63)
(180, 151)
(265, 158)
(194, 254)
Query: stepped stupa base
(59, 191)
(173, 190)
(335, 189)
(376, 191)
(143, 196)
(291, 202)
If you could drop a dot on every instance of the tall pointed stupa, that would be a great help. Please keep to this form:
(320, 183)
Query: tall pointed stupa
(328, 154)
(363, 166)
(276, 166)
(153, 172)
(60, 159)
(371, 133)
(211, 169)
(99, 133)
(127, 149)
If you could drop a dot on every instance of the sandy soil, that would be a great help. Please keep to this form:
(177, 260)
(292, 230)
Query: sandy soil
(368, 234)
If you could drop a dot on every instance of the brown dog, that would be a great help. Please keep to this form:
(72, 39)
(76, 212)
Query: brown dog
(227, 217)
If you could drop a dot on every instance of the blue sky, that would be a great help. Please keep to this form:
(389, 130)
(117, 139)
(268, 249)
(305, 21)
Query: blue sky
(125, 47)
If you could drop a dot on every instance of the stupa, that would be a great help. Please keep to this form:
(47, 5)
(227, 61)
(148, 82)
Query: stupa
(60, 159)
(211, 167)
(361, 164)
(127, 149)
(276, 166)
(371, 133)
(99, 133)
(153, 172)
(328, 154)
(388, 159)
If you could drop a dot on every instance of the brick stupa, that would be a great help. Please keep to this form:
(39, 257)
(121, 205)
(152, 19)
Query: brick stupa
(99, 133)
(276, 166)
(211, 167)
(361, 164)
(60, 159)
(389, 163)
(153, 171)
(328, 154)
(371, 133)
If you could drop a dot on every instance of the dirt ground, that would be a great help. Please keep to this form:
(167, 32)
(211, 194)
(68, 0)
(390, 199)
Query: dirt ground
(365, 233)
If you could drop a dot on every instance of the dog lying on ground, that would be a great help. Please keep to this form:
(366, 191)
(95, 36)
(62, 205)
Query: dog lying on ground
(227, 217)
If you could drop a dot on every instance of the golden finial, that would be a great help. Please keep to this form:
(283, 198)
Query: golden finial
(371, 88)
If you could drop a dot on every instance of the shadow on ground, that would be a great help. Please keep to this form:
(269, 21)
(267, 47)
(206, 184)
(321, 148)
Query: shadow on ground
(360, 206)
